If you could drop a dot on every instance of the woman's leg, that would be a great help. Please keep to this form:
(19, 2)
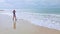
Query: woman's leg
(14, 18)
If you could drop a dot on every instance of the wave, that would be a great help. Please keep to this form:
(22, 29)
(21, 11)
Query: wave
(46, 20)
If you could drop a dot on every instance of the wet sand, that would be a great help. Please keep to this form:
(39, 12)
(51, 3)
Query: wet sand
(22, 27)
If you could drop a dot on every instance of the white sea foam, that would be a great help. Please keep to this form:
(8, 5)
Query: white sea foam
(46, 20)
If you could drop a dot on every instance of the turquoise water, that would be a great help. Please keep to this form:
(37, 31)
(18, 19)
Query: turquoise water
(46, 10)
(41, 10)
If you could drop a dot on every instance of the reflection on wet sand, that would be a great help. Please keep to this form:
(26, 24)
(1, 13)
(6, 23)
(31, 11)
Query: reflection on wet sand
(14, 23)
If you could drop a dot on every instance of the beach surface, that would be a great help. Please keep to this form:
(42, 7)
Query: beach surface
(22, 27)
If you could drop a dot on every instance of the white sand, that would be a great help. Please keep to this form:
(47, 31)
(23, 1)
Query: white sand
(22, 27)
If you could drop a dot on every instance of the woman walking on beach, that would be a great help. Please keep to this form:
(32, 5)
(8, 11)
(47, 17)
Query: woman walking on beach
(14, 15)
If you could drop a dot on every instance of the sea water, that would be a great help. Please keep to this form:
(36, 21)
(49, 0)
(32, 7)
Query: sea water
(42, 17)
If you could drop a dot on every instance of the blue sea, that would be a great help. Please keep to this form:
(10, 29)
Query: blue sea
(42, 10)
(46, 17)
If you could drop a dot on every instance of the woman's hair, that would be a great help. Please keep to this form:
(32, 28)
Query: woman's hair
(14, 11)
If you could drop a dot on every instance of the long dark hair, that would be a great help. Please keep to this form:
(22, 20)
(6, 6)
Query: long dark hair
(14, 11)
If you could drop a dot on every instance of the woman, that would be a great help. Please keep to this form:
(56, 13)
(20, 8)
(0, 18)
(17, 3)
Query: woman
(14, 15)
